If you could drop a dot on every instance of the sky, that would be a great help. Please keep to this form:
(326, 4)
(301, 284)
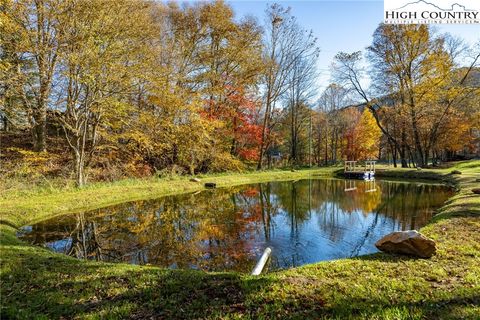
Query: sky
(340, 25)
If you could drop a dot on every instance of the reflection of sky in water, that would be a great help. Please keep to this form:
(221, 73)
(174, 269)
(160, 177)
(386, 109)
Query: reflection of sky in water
(60, 245)
(315, 239)
(303, 222)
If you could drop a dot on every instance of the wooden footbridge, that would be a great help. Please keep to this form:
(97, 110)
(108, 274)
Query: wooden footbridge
(356, 171)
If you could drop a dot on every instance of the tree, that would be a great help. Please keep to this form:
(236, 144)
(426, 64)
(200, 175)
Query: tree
(38, 45)
(102, 53)
(301, 89)
(246, 131)
(218, 59)
(363, 141)
(13, 99)
(286, 48)
(331, 103)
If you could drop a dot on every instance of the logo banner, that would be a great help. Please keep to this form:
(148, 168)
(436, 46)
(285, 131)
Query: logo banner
(431, 12)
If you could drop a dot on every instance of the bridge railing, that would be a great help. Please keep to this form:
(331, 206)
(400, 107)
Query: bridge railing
(352, 166)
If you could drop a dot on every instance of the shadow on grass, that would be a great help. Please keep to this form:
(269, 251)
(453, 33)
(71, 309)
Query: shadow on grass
(8, 223)
(387, 257)
(460, 307)
(41, 284)
(443, 216)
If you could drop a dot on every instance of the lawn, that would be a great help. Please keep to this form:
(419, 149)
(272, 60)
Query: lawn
(39, 284)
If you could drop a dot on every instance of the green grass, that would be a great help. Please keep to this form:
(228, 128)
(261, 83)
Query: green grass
(37, 283)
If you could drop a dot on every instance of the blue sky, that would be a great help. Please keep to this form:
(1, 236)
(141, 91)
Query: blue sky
(340, 25)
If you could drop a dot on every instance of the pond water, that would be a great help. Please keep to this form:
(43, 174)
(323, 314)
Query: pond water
(302, 221)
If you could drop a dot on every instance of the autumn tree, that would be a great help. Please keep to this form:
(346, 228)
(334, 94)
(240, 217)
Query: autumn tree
(246, 131)
(198, 107)
(13, 99)
(101, 56)
(36, 41)
(363, 139)
(225, 56)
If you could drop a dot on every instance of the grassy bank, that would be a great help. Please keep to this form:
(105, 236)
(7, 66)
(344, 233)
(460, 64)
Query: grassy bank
(39, 284)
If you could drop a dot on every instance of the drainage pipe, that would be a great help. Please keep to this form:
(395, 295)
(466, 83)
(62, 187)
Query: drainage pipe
(261, 263)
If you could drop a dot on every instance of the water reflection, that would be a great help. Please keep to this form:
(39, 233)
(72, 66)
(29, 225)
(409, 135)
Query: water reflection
(227, 229)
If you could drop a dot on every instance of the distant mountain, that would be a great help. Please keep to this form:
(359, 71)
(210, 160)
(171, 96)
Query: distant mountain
(429, 4)
(473, 80)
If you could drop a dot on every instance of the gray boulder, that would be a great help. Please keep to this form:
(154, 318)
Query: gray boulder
(195, 180)
(409, 242)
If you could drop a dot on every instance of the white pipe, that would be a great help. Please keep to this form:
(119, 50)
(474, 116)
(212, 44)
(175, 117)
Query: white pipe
(261, 263)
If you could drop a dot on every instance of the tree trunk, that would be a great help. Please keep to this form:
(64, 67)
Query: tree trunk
(264, 133)
(394, 155)
(79, 170)
(412, 158)
(326, 149)
(402, 150)
(427, 154)
(45, 59)
(335, 149)
(5, 123)
(39, 129)
(293, 147)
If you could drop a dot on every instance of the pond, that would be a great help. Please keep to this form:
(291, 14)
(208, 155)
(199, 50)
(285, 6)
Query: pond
(302, 221)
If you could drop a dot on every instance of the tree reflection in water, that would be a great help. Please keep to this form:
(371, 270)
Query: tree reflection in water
(227, 229)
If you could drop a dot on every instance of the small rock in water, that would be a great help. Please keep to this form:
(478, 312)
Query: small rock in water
(456, 172)
(407, 242)
(195, 180)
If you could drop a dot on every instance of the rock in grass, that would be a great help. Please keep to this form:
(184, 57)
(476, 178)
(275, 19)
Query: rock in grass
(456, 172)
(407, 242)
(210, 185)
(476, 190)
(195, 180)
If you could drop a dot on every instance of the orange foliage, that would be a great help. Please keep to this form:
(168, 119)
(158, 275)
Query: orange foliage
(239, 113)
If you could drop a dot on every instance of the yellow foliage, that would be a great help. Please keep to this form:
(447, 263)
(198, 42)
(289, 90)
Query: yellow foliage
(33, 163)
(363, 141)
